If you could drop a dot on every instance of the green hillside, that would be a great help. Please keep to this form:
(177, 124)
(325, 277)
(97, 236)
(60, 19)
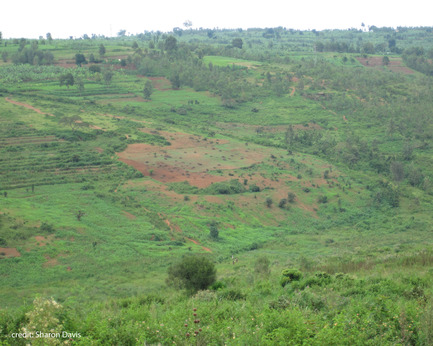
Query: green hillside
(298, 162)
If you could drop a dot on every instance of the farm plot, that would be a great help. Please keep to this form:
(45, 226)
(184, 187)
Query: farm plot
(190, 158)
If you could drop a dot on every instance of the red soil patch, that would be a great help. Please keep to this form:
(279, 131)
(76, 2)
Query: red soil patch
(129, 215)
(99, 150)
(44, 240)
(395, 64)
(66, 63)
(25, 105)
(188, 158)
(51, 262)
(160, 83)
(9, 252)
(214, 199)
(197, 243)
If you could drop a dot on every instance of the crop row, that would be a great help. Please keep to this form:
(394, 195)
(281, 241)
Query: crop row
(57, 176)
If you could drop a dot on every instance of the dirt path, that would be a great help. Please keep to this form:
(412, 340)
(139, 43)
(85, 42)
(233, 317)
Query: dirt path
(197, 243)
(293, 91)
(177, 229)
(25, 105)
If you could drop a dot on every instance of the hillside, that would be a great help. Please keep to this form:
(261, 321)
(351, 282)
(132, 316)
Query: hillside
(262, 150)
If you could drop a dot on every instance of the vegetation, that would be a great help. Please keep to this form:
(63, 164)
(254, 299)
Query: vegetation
(280, 178)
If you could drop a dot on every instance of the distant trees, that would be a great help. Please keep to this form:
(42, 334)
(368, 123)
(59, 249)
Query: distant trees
(193, 273)
(237, 43)
(33, 56)
(66, 79)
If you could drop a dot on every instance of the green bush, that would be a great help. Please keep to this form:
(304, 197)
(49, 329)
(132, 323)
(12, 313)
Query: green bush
(225, 188)
(194, 273)
(289, 275)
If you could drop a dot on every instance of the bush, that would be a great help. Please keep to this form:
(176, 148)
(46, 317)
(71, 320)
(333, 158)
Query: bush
(193, 273)
(254, 188)
(289, 275)
(225, 188)
(269, 202)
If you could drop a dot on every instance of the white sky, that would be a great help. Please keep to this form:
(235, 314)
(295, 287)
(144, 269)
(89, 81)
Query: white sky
(34, 18)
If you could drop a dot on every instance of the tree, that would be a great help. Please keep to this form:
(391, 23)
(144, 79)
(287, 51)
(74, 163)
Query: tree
(73, 122)
(5, 56)
(187, 24)
(80, 59)
(49, 37)
(193, 273)
(80, 85)
(148, 89)
(170, 44)
(108, 76)
(66, 79)
(237, 43)
(102, 50)
(385, 61)
(175, 80)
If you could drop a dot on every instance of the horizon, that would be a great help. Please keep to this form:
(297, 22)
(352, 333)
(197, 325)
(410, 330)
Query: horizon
(91, 18)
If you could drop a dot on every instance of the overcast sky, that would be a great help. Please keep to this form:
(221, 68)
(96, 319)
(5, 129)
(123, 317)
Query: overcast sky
(34, 18)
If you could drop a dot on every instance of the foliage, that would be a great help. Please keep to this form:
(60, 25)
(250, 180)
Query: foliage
(289, 275)
(194, 273)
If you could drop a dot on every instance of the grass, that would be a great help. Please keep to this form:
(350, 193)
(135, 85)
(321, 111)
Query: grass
(98, 235)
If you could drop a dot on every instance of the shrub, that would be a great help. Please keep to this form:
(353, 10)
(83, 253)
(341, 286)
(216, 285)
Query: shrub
(322, 199)
(289, 275)
(193, 273)
(225, 188)
(291, 197)
(254, 188)
(269, 202)
(218, 285)
(282, 203)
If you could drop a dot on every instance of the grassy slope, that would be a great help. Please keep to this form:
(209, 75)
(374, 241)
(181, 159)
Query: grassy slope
(123, 243)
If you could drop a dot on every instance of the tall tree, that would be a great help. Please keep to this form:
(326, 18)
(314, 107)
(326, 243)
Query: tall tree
(170, 44)
(102, 50)
(80, 59)
(66, 79)
(148, 89)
